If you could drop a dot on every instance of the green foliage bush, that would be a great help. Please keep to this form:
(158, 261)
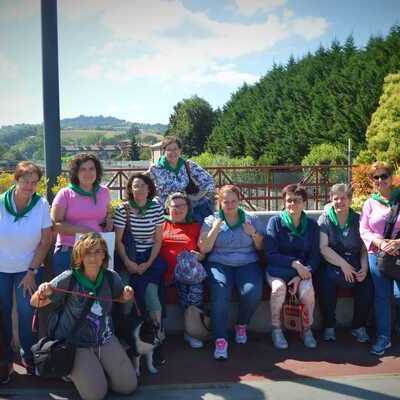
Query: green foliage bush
(325, 154)
(218, 160)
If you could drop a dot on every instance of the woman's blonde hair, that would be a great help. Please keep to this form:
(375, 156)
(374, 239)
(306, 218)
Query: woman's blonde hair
(380, 165)
(84, 244)
(228, 189)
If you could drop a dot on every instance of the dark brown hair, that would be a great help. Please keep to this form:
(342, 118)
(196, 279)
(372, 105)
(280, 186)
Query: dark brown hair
(146, 179)
(178, 195)
(295, 189)
(27, 167)
(76, 163)
(169, 140)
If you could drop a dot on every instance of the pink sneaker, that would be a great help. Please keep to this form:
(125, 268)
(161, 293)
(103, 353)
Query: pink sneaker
(221, 349)
(241, 334)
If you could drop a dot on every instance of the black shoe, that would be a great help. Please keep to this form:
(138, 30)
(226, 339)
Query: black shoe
(158, 356)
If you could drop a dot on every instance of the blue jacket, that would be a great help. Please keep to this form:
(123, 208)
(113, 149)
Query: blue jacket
(282, 248)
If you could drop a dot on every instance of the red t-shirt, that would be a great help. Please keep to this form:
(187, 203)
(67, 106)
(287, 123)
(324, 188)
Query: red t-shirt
(176, 238)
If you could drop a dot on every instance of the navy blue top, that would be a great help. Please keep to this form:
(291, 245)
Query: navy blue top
(282, 248)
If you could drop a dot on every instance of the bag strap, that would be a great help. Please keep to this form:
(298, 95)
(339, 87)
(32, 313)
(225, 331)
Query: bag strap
(188, 170)
(391, 221)
(110, 281)
(128, 215)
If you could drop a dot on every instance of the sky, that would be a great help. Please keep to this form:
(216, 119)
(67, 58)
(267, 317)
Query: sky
(135, 59)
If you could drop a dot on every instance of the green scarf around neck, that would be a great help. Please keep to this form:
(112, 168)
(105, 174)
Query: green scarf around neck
(7, 199)
(165, 164)
(142, 210)
(86, 282)
(288, 221)
(79, 190)
(241, 220)
(393, 198)
(331, 213)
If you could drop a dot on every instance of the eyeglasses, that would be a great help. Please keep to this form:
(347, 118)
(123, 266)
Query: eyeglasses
(382, 177)
(295, 201)
(176, 206)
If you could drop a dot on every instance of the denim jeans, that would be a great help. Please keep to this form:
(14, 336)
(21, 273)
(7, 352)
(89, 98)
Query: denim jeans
(248, 279)
(9, 282)
(61, 260)
(383, 296)
(329, 279)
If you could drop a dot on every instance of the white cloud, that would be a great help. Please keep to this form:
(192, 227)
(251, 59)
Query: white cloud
(142, 44)
(250, 7)
(8, 69)
(93, 71)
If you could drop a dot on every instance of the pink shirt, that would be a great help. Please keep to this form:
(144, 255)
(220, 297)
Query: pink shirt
(372, 223)
(81, 210)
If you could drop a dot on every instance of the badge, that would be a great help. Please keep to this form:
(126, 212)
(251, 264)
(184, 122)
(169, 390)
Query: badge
(96, 309)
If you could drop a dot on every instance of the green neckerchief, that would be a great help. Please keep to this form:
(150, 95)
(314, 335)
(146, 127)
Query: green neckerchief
(79, 190)
(142, 210)
(240, 221)
(87, 283)
(287, 220)
(331, 213)
(394, 197)
(188, 219)
(165, 164)
(7, 198)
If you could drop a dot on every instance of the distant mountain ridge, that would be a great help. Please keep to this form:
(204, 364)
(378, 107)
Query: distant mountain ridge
(109, 122)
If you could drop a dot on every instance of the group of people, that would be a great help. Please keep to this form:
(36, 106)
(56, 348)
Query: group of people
(166, 212)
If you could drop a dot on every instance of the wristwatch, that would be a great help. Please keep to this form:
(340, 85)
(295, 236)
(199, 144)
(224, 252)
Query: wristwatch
(34, 270)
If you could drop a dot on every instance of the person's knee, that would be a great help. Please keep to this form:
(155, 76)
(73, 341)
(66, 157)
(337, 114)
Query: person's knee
(127, 386)
(94, 391)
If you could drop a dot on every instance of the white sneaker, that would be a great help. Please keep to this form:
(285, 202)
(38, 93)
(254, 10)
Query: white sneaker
(193, 342)
(361, 335)
(308, 339)
(278, 339)
(221, 349)
(329, 334)
(241, 334)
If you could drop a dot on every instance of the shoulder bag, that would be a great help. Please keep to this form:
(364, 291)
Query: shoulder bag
(388, 264)
(128, 241)
(192, 188)
(55, 358)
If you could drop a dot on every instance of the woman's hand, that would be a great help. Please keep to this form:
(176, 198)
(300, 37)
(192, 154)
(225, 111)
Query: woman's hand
(391, 246)
(217, 224)
(143, 267)
(131, 267)
(361, 274)
(109, 225)
(249, 228)
(198, 255)
(293, 285)
(302, 270)
(28, 283)
(349, 272)
(45, 290)
(127, 294)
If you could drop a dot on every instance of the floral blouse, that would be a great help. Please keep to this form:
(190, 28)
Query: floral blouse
(168, 182)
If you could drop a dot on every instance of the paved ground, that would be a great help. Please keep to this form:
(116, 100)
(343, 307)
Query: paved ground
(343, 370)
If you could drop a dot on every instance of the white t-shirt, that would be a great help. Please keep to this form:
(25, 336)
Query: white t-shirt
(18, 240)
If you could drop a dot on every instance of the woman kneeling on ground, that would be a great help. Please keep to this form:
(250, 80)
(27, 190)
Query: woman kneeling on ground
(345, 264)
(100, 360)
(181, 233)
(231, 237)
(292, 249)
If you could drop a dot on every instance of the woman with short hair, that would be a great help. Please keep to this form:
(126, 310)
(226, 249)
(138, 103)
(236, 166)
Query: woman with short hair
(375, 213)
(232, 238)
(292, 250)
(84, 206)
(25, 239)
(345, 264)
(172, 174)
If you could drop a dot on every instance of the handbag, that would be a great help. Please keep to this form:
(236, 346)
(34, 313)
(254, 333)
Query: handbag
(54, 358)
(188, 269)
(388, 264)
(192, 188)
(295, 315)
(128, 241)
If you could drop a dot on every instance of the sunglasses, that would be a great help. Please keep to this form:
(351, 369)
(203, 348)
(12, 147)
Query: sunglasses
(382, 177)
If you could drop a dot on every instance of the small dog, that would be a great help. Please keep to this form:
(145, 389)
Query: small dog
(139, 336)
(146, 337)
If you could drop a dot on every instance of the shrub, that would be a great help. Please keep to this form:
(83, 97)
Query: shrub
(325, 154)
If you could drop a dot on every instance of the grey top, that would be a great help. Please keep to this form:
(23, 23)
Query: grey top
(348, 243)
(233, 247)
(97, 328)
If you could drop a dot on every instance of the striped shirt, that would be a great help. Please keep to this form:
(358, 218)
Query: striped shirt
(142, 226)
